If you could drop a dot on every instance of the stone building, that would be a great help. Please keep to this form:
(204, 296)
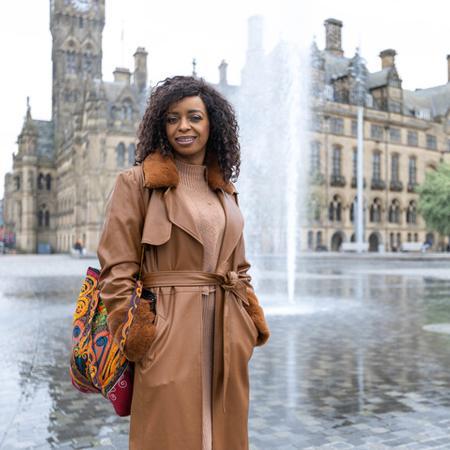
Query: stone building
(406, 133)
(64, 168)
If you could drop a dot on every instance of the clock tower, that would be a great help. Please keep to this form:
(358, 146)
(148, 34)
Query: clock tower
(76, 27)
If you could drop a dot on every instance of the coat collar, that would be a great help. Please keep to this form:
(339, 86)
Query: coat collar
(161, 171)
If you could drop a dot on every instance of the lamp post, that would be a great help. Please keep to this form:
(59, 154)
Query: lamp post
(359, 96)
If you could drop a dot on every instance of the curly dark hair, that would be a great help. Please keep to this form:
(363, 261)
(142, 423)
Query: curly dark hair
(223, 132)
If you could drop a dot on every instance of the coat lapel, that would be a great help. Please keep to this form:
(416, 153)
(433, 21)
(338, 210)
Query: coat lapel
(161, 172)
(179, 214)
(234, 225)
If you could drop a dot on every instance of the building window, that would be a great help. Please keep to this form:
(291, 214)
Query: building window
(376, 166)
(416, 237)
(411, 213)
(71, 62)
(40, 181)
(375, 211)
(413, 139)
(412, 171)
(431, 142)
(314, 161)
(394, 135)
(47, 218)
(310, 240)
(88, 63)
(354, 162)
(316, 122)
(120, 155)
(319, 238)
(376, 132)
(48, 182)
(127, 107)
(131, 154)
(40, 218)
(336, 125)
(17, 182)
(394, 212)
(335, 209)
(354, 127)
(337, 160)
(395, 167)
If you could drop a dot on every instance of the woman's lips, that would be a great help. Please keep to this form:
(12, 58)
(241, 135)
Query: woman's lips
(185, 140)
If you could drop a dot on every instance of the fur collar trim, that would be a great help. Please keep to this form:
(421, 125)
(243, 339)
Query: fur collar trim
(160, 171)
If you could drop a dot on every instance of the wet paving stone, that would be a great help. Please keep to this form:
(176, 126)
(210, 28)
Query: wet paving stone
(351, 368)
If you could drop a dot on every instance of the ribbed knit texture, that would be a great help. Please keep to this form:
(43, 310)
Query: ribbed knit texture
(205, 207)
(207, 210)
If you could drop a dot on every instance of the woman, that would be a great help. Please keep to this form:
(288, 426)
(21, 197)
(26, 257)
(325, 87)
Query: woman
(191, 356)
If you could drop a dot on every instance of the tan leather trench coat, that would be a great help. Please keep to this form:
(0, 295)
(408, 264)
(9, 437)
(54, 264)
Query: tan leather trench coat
(167, 399)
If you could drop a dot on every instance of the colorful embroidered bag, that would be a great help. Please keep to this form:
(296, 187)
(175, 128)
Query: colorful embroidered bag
(98, 363)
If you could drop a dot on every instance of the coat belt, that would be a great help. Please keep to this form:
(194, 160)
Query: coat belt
(233, 286)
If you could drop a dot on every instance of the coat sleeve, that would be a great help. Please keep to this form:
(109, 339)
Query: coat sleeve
(254, 309)
(119, 252)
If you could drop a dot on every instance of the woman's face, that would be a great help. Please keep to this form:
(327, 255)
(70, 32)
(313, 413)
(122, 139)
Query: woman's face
(187, 129)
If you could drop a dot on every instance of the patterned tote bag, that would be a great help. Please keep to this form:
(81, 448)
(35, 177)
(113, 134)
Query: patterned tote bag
(98, 363)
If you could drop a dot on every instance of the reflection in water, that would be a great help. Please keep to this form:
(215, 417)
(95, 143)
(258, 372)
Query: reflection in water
(354, 353)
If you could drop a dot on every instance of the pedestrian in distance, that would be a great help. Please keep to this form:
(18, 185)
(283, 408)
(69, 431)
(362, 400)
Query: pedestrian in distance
(191, 345)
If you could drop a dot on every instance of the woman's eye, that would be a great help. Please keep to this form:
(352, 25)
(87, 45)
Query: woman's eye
(171, 120)
(196, 118)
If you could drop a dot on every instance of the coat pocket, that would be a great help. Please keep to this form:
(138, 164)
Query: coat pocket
(249, 322)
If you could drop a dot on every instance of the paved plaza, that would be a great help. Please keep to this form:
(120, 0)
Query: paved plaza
(357, 361)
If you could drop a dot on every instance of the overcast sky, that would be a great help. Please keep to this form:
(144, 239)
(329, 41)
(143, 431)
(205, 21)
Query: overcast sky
(176, 31)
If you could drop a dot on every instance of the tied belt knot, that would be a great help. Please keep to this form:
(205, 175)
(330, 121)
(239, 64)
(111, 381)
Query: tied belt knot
(234, 289)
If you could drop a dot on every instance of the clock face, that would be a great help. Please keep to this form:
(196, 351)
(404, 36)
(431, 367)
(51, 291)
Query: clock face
(82, 5)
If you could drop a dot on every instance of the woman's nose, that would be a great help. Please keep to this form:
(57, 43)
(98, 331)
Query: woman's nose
(184, 124)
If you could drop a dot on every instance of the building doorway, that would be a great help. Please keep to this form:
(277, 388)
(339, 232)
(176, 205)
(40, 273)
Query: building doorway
(336, 241)
(374, 242)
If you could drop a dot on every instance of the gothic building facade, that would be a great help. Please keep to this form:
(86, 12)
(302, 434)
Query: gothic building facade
(406, 133)
(64, 168)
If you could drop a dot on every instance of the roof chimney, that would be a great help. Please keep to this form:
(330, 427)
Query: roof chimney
(140, 68)
(223, 72)
(448, 68)
(333, 36)
(122, 75)
(387, 58)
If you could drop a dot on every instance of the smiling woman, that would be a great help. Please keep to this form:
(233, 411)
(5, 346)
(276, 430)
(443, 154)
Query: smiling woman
(187, 128)
(191, 351)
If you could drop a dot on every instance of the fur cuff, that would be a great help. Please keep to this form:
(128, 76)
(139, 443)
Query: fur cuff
(141, 333)
(257, 315)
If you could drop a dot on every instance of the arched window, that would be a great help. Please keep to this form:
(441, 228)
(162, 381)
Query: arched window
(394, 211)
(40, 181)
(47, 218)
(411, 213)
(71, 62)
(335, 209)
(375, 211)
(40, 218)
(310, 240)
(120, 155)
(48, 182)
(127, 107)
(131, 154)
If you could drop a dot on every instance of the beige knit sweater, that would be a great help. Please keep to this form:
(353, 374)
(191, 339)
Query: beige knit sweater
(207, 210)
(205, 206)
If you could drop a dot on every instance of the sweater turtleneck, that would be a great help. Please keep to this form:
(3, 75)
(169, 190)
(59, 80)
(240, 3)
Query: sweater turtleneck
(205, 207)
(192, 176)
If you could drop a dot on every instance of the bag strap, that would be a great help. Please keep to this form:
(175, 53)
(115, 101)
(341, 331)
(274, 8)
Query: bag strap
(139, 277)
